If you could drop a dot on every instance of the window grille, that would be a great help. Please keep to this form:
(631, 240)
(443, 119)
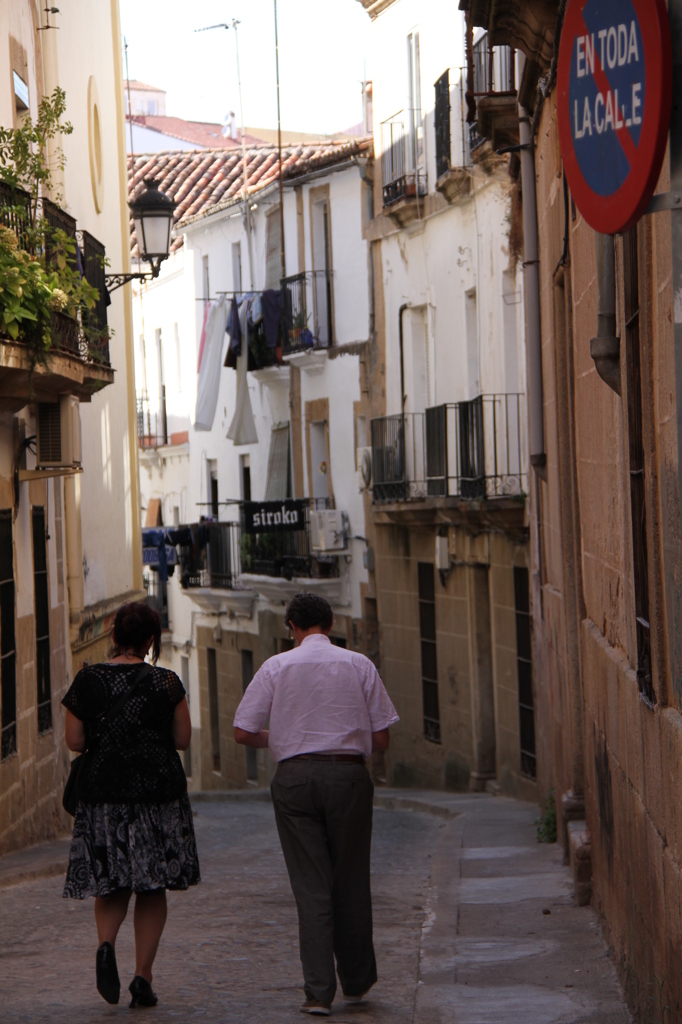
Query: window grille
(427, 634)
(8, 688)
(278, 483)
(212, 669)
(42, 619)
(524, 671)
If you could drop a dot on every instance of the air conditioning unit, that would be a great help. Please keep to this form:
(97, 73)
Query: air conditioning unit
(363, 463)
(58, 441)
(328, 530)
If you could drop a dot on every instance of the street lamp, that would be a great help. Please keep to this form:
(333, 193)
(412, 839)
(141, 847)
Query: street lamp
(153, 216)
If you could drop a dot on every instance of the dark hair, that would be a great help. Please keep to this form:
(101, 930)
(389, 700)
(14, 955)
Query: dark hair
(134, 624)
(307, 610)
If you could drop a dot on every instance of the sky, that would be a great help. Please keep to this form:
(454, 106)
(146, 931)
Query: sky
(322, 50)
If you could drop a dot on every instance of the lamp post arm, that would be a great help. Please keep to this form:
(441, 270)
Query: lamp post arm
(114, 281)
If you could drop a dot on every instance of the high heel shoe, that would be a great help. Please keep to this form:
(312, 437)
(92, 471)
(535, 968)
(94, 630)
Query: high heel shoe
(108, 983)
(142, 994)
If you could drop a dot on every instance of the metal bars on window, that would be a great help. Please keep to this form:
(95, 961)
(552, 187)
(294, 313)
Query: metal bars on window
(42, 619)
(427, 637)
(524, 672)
(8, 684)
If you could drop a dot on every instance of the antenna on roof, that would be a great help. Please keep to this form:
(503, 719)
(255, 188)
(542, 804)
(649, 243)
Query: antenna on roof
(245, 188)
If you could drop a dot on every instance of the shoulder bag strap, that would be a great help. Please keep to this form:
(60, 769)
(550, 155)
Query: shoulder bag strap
(121, 702)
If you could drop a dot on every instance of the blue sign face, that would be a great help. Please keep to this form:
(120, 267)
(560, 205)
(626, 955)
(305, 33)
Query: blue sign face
(606, 93)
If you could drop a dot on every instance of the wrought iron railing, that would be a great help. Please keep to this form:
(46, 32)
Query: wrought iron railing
(88, 337)
(403, 167)
(308, 312)
(494, 70)
(216, 554)
(471, 450)
(152, 419)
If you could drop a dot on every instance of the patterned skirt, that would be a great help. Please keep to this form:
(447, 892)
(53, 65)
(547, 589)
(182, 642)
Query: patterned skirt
(141, 847)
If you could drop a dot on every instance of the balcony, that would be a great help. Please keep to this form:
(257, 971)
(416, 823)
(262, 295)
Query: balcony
(403, 167)
(77, 361)
(494, 91)
(453, 182)
(307, 303)
(455, 459)
(152, 420)
(242, 557)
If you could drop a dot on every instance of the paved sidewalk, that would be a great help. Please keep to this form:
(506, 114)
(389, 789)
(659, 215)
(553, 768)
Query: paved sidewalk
(474, 921)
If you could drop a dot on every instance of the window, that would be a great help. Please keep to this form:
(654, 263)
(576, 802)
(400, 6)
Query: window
(273, 256)
(237, 266)
(524, 671)
(42, 620)
(157, 595)
(637, 466)
(184, 676)
(8, 687)
(414, 122)
(251, 752)
(245, 475)
(214, 504)
(278, 483)
(178, 356)
(322, 266)
(212, 670)
(427, 634)
(442, 124)
(319, 483)
(471, 325)
(205, 279)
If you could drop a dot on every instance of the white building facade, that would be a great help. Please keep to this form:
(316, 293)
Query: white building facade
(225, 599)
(447, 503)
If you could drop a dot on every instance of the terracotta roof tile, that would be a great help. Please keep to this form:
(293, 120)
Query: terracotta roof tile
(203, 181)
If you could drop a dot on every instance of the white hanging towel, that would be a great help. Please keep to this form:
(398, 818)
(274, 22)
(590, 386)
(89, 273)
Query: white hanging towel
(211, 363)
(242, 429)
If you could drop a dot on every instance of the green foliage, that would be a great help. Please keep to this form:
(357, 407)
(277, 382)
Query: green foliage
(26, 160)
(39, 274)
(25, 295)
(547, 821)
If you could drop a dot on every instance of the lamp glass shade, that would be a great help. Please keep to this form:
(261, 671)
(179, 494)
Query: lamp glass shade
(153, 234)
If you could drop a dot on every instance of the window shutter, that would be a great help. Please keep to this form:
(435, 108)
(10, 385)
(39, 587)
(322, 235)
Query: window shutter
(273, 258)
(278, 483)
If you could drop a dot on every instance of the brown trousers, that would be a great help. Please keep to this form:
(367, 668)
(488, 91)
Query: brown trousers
(323, 812)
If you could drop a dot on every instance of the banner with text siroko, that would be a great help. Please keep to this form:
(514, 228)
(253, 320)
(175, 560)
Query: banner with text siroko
(274, 516)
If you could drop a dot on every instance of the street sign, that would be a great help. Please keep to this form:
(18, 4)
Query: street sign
(614, 104)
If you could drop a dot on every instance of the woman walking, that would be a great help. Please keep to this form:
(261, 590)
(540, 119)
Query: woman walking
(133, 830)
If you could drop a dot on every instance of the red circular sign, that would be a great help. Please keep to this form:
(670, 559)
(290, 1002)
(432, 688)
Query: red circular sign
(614, 104)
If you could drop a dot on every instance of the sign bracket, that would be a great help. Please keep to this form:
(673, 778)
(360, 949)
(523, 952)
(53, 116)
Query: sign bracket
(664, 201)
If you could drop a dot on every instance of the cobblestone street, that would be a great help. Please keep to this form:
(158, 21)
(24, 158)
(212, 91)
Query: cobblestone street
(474, 923)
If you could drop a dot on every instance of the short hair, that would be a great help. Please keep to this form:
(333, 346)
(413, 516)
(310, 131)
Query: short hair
(307, 610)
(134, 624)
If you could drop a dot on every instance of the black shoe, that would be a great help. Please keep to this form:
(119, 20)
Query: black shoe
(108, 983)
(141, 991)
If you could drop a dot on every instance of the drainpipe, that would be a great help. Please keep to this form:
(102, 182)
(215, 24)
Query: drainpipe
(403, 396)
(531, 281)
(605, 348)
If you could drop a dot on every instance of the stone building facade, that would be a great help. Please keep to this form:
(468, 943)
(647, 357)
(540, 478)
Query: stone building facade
(605, 529)
(70, 548)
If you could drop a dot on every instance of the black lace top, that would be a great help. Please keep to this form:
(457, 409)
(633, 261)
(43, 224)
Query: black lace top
(135, 760)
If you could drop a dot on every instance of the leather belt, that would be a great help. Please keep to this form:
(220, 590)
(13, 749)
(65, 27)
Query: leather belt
(353, 758)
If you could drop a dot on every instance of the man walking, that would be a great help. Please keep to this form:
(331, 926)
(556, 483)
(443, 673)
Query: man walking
(328, 711)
